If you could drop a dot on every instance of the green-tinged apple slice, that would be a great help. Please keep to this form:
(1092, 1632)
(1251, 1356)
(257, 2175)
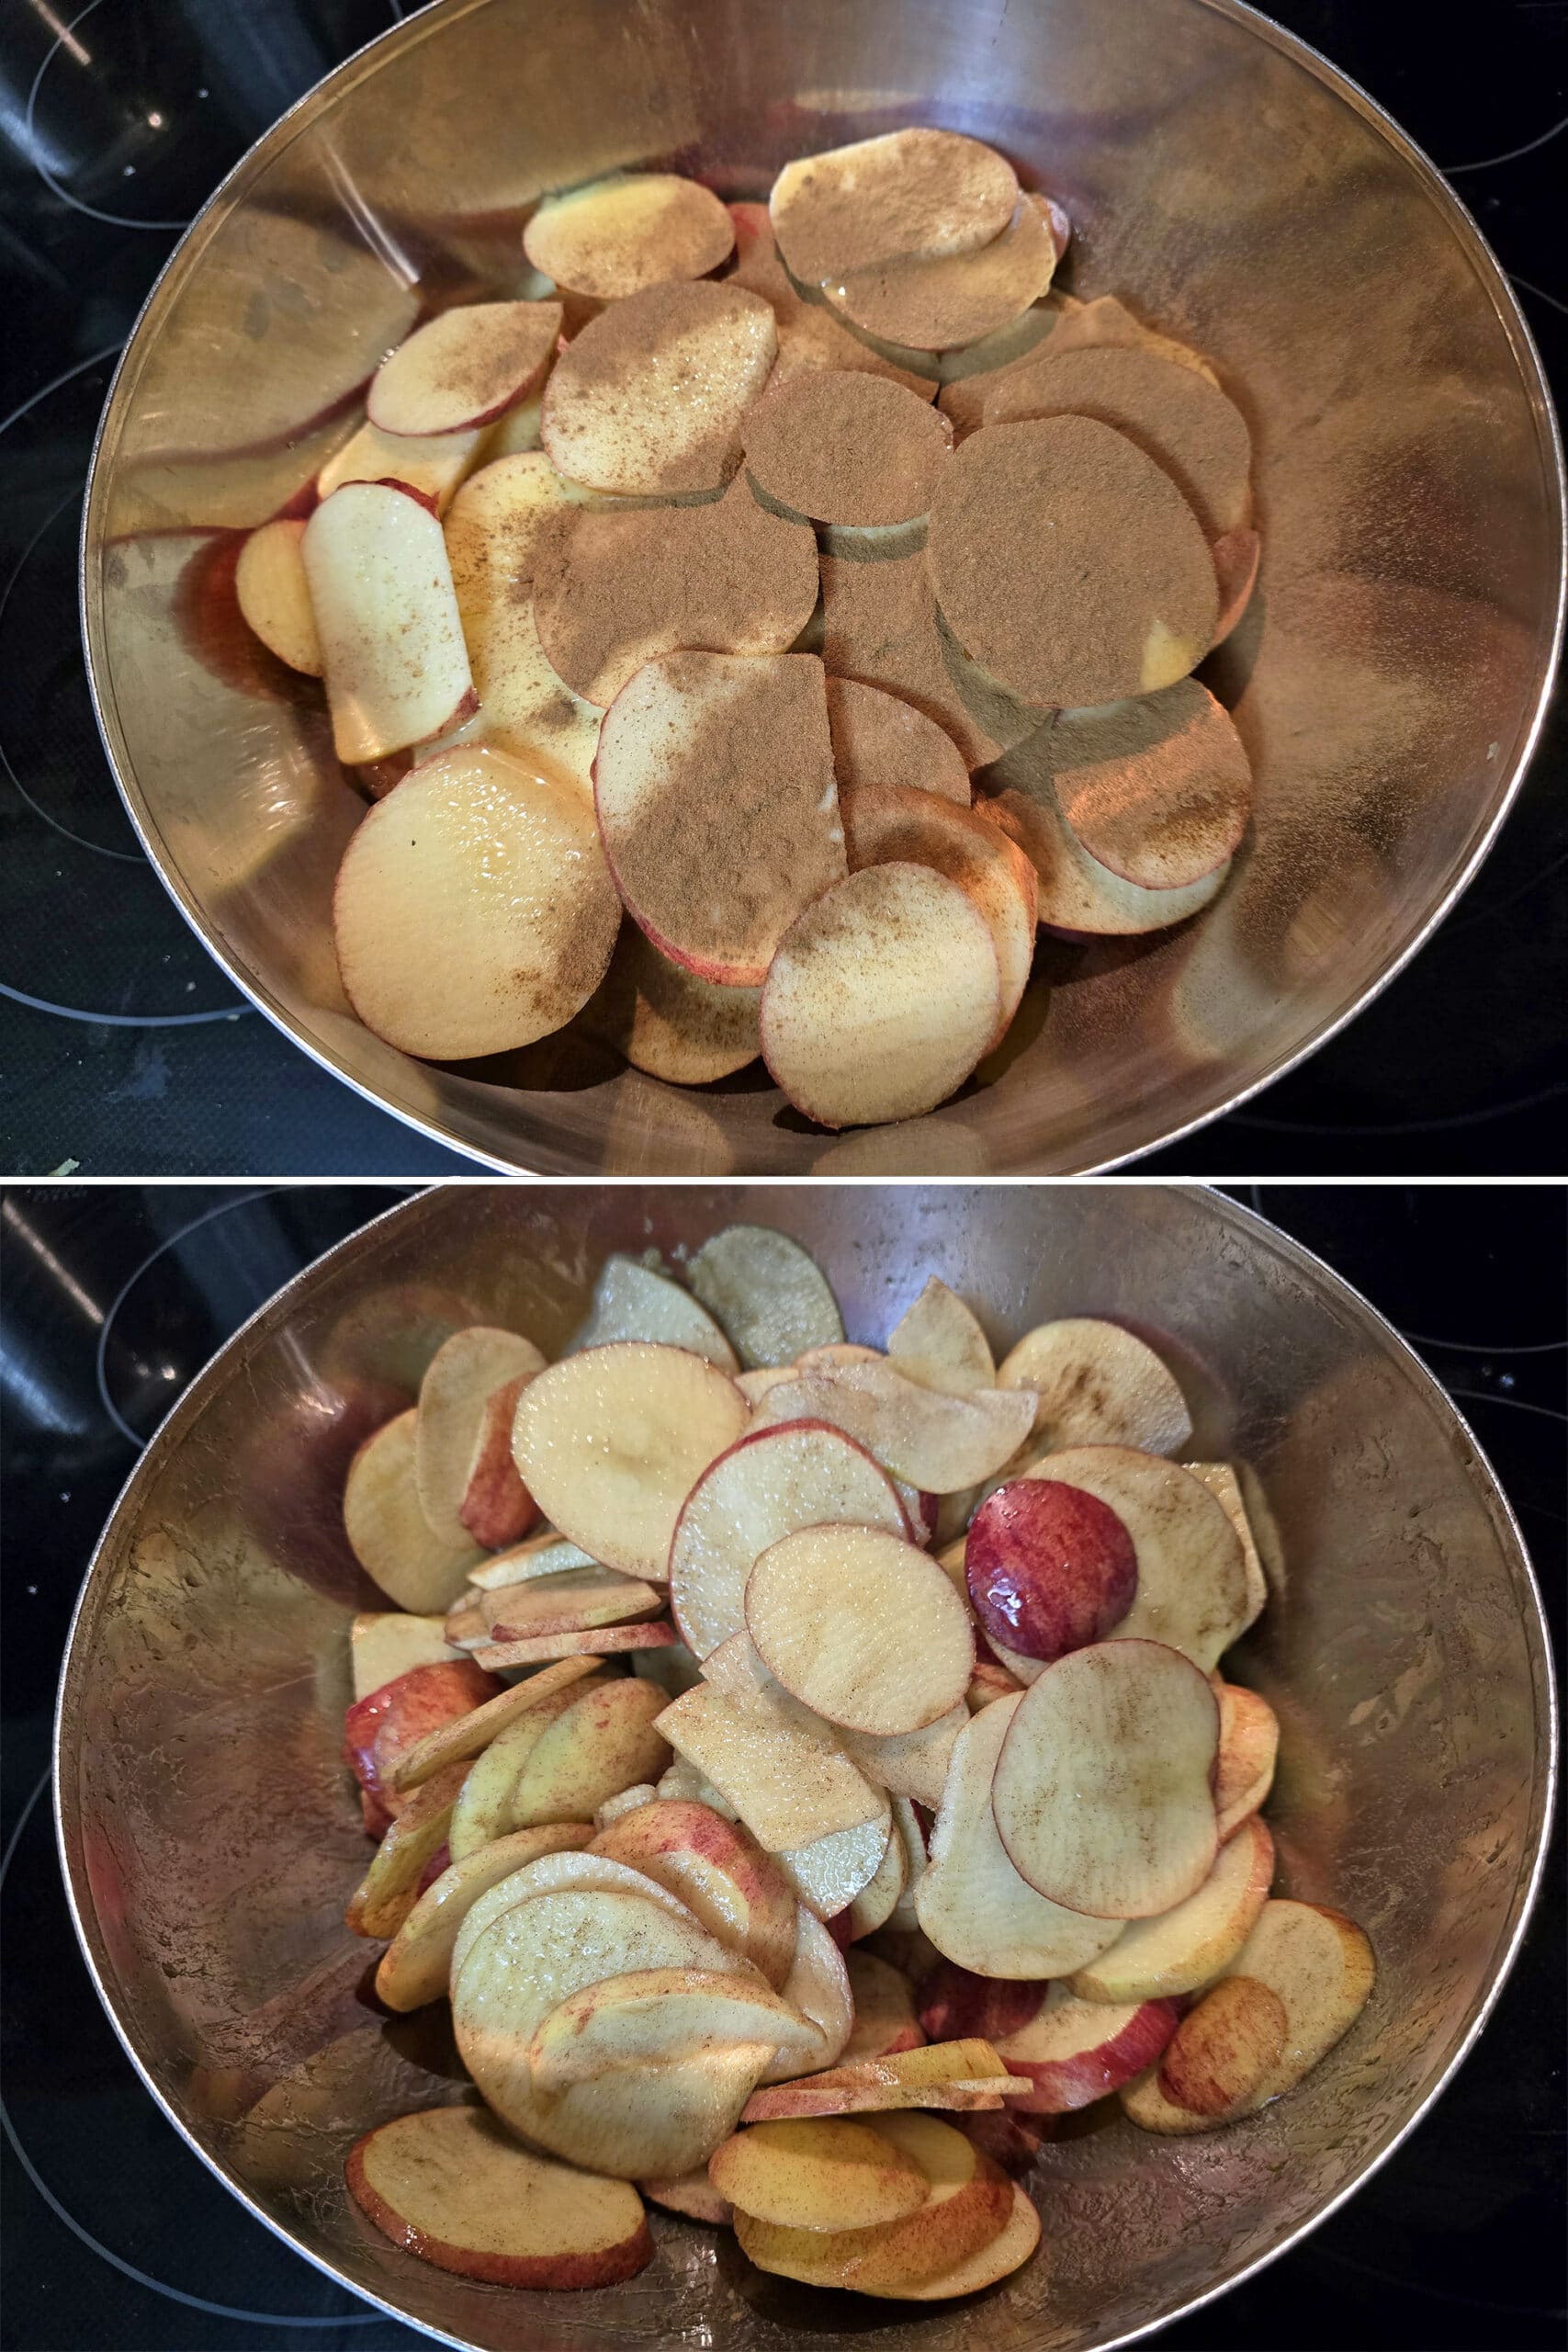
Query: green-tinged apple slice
(468, 1735)
(770, 1295)
(631, 1303)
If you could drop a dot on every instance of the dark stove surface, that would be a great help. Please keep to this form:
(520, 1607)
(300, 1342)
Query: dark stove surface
(119, 2240)
(124, 1047)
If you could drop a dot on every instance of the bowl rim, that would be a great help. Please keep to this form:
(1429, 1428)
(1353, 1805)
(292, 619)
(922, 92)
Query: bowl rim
(547, 1160)
(1320, 1277)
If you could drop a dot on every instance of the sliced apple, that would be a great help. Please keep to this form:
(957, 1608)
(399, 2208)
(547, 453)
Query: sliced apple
(385, 1644)
(656, 2015)
(1181, 1949)
(1225, 2048)
(274, 596)
(454, 2188)
(990, 1682)
(957, 2005)
(771, 1483)
(526, 709)
(844, 447)
(1097, 1385)
(578, 1601)
(879, 1897)
(1011, 2247)
(632, 1800)
(1321, 1966)
(717, 1868)
(879, 738)
(716, 802)
(938, 1443)
(603, 1741)
(615, 236)
(811, 337)
(1102, 1791)
(938, 1343)
(1074, 2052)
(464, 367)
(770, 1294)
(612, 1441)
(544, 1554)
(1159, 788)
(565, 1871)
(392, 641)
(682, 1784)
(1078, 896)
(828, 1873)
(603, 1640)
(1191, 1590)
(388, 1534)
(471, 1730)
(416, 1965)
(881, 998)
(434, 465)
(790, 1781)
(460, 1472)
(389, 1888)
(971, 1901)
(631, 1303)
(1237, 559)
(837, 1352)
(617, 415)
(1249, 1748)
(818, 1988)
(669, 1022)
(885, 2008)
(672, 1667)
(692, 2194)
(811, 2176)
(861, 1626)
(1049, 1568)
(941, 302)
(881, 626)
(903, 192)
(939, 2073)
(487, 1808)
(910, 1764)
(1008, 2137)
(1221, 1479)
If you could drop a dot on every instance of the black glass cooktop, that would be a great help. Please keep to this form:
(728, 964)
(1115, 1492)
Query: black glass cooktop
(124, 1047)
(119, 2240)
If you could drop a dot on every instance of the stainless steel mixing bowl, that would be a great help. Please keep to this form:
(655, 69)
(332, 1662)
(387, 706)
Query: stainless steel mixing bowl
(211, 1835)
(1391, 675)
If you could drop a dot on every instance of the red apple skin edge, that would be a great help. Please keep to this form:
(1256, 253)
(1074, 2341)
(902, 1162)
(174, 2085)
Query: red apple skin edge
(1064, 2084)
(955, 2005)
(1050, 1568)
(605, 2269)
(385, 1723)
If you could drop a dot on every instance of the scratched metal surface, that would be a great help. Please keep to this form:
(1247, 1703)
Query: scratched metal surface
(211, 1835)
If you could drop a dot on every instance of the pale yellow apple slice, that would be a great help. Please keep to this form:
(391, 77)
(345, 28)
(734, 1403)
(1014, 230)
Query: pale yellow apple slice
(416, 1965)
(818, 2176)
(641, 1795)
(466, 1736)
(880, 739)
(1249, 1748)
(939, 1443)
(913, 191)
(615, 236)
(387, 1893)
(1010, 2248)
(656, 2016)
(505, 867)
(1321, 1966)
(618, 414)
(940, 302)
(543, 1554)
(716, 804)
(485, 1808)
(717, 1868)
(881, 998)
(938, 1343)
(464, 367)
(832, 1870)
(971, 1901)
(958, 2074)
(383, 1644)
(392, 641)
(693, 2194)
(454, 2188)
(668, 1021)
(684, 1784)
(1191, 1581)
(1097, 1385)
(885, 2008)
(771, 1483)
(612, 1441)
(879, 1897)
(603, 1741)
(1181, 1949)
(910, 1764)
(1102, 1791)
(389, 1534)
(499, 522)
(562, 1872)
(434, 465)
(789, 1782)
(1225, 2048)
(605, 1641)
(578, 1601)
(818, 1987)
(846, 448)
(884, 823)
(274, 596)
(1159, 788)
(968, 2202)
(1221, 1479)
(454, 1470)
(768, 1292)
(861, 1626)
(1076, 894)
(632, 1303)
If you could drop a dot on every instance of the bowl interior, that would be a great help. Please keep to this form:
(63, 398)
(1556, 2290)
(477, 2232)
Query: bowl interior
(210, 1835)
(1386, 680)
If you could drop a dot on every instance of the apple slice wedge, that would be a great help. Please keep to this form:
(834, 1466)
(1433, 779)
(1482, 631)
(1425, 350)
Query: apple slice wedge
(615, 236)
(938, 1443)
(692, 2194)
(633, 1800)
(717, 1868)
(818, 2176)
(669, 1022)
(717, 806)
(601, 1741)
(861, 1626)
(1049, 1568)
(392, 641)
(1158, 789)
(885, 2008)
(565, 1871)
(1074, 2052)
(454, 2188)
(399, 1716)
(788, 1780)
(463, 368)
(656, 2016)
(937, 2074)
(1097, 1385)
(1321, 1966)
(910, 1764)
(384, 1643)
(274, 596)
(828, 1873)
(485, 1811)
(1102, 1791)
(1221, 1479)
(1181, 1949)
(543, 1554)
(457, 1471)
(632, 1303)
(469, 1733)
(578, 1601)
(879, 1897)
(938, 1343)
(1192, 1588)
(433, 465)
(610, 1442)
(388, 1892)
(818, 1988)
(601, 1642)
(971, 1901)
(943, 302)
(997, 2258)
(770, 1484)
(416, 1965)
(879, 738)
(1225, 2048)
(388, 1532)
(502, 864)
(770, 1295)
(1249, 1748)
(1075, 894)
(881, 998)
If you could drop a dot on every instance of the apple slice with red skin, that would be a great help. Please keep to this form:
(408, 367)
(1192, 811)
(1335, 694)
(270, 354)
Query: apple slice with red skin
(453, 2187)
(1075, 2052)
(388, 1534)
(655, 2017)
(718, 806)
(610, 1442)
(1011, 2247)
(956, 2005)
(274, 597)
(1009, 2138)
(959, 2075)
(1249, 1747)
(392, 642)
(1225, 2048)
(465, 368)
(717, 1868)
(390, 1887)
(380, 1730)
(818, 2176)
(885, 2008)
(861, 1627)
(433, 465)
(1182, 1949)
(461, 1474)
(416, 1965)
(603, 1640)
(1050, 1568)
(578, 1601)
(384, 1643)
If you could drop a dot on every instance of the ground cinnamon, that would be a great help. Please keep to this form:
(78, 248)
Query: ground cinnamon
(847, 448)
(905, 192)
(1157, 788)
